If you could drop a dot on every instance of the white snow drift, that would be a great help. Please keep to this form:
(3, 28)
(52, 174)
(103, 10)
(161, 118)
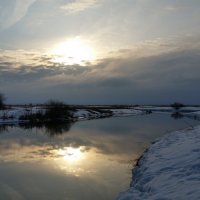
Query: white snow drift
(169, 170)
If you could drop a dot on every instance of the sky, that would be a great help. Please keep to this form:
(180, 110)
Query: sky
(100, 51)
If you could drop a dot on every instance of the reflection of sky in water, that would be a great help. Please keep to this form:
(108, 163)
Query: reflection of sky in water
(91, 161)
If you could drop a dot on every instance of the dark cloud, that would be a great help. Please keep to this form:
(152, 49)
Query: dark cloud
(34, 68)
(115, 82)
(159, 78)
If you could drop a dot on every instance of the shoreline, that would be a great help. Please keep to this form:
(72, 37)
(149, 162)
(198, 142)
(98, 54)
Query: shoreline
(168, 169)
(12, 116)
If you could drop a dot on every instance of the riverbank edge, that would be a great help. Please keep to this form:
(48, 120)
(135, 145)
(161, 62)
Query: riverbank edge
(12, 116)
(156, 175)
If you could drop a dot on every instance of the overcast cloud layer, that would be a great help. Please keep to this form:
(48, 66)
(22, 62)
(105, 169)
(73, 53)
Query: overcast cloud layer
(149, 51)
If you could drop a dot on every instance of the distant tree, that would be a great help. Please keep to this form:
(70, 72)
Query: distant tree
(57, 110)
(177, 105)
(2, 100)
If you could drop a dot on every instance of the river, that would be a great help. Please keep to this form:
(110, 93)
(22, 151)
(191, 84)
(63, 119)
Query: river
(88, 160)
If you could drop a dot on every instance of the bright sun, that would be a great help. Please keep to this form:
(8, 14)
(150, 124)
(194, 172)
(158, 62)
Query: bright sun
(73, 51)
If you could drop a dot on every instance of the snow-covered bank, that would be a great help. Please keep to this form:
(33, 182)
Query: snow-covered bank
(13, 114)
(126, 112)
(169, 170)
(85, 114)
(169, 109)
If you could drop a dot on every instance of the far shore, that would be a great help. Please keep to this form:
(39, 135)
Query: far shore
(15, 114)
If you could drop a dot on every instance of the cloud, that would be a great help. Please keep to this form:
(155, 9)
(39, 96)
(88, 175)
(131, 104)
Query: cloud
(115, 82)
(79, 5)
(12, 11)
(152, 73)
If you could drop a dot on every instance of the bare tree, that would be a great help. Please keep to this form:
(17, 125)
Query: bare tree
(2, 100)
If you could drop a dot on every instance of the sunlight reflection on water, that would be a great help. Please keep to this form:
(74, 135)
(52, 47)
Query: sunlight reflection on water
(90, 161)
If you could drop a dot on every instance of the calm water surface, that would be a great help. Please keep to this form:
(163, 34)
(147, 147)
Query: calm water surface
(92, 160)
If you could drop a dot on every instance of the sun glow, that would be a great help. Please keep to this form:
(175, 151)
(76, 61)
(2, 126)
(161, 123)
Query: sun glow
(71, 154)
(73, 51)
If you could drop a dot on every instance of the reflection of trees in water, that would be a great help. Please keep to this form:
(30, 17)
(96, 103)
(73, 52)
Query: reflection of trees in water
(57, 129)
(3, 128)
(52, 128)
(177, 115)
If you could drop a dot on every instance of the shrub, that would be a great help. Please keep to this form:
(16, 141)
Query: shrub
(177, 105)
(35, 117)
(56, 110)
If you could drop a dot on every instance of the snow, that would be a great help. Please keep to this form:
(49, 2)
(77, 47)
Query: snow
(12, 115)
(167, 109)
(86, 114)
(126, 112)
(195, 112)
(155, 108)
(169, 169)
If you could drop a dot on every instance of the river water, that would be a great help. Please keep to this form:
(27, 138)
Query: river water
(88, 160)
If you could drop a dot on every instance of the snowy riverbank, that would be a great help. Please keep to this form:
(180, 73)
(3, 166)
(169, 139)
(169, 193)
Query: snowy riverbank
(169, 169)
(13, 114)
